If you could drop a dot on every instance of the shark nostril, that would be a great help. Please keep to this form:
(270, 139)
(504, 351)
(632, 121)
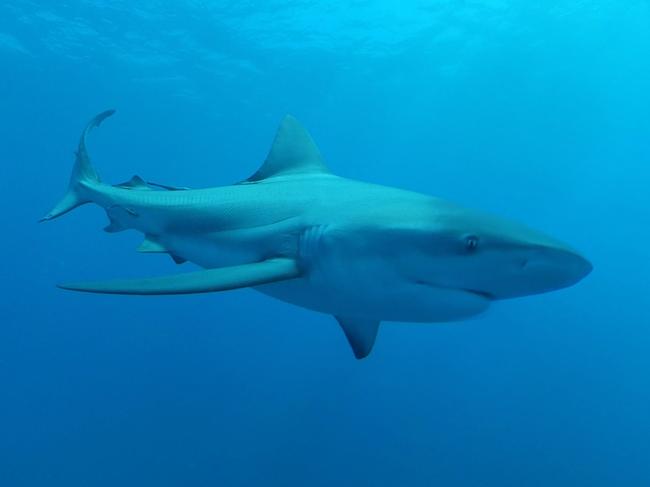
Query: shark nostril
(524, 263)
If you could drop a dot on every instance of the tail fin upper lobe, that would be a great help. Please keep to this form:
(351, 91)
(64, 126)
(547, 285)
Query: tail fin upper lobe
(82, 172)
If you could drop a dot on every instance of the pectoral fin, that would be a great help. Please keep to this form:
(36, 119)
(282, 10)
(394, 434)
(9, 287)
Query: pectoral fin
(360, 332)
(204, 281)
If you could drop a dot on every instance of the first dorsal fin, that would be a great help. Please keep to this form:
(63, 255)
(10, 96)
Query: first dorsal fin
(293, 152)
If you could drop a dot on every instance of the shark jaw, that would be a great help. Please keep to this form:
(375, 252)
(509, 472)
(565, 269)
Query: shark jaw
(361, 252)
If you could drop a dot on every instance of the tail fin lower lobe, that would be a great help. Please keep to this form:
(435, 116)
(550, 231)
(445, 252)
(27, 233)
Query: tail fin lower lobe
(83, 172)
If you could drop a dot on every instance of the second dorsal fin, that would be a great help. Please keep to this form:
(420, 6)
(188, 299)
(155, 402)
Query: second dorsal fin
(136, 182)
(293, 152)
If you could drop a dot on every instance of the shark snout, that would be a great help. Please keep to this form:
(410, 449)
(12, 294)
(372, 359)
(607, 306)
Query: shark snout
(546, 269)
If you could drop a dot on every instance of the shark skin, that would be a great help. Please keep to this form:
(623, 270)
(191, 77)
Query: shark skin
(361, 252)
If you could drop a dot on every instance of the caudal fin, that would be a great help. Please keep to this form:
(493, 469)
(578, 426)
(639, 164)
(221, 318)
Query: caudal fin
(82, 173)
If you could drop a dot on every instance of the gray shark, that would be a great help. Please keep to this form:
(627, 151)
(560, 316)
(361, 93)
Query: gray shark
(361, 252)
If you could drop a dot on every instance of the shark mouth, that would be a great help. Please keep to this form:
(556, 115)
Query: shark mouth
(482, 294)
(475, 292)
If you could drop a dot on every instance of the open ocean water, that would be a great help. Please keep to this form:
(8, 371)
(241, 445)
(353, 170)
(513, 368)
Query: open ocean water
(535, 110)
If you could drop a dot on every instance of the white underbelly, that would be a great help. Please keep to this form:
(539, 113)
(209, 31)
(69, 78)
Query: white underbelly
(347, 276)
(210, 254)
(409, 302)
(229, 248)
(336, 283)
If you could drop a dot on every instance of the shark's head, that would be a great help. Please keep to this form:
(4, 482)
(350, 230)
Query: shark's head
(493, 257)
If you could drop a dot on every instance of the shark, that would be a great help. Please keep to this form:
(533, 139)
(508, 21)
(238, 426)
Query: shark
(361, 252)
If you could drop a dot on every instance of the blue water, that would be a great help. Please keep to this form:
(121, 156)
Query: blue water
(538, 111)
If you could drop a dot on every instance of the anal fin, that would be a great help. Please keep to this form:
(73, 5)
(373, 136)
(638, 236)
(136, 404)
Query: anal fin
(114, 225)
(118, 217)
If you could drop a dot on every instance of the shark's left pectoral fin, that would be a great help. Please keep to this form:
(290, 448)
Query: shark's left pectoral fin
(360, 332)
(204, 281)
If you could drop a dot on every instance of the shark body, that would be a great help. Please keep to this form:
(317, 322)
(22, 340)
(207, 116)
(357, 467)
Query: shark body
(362, 252)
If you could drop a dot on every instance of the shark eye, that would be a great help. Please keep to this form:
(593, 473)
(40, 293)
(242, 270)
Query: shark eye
(471, 243)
